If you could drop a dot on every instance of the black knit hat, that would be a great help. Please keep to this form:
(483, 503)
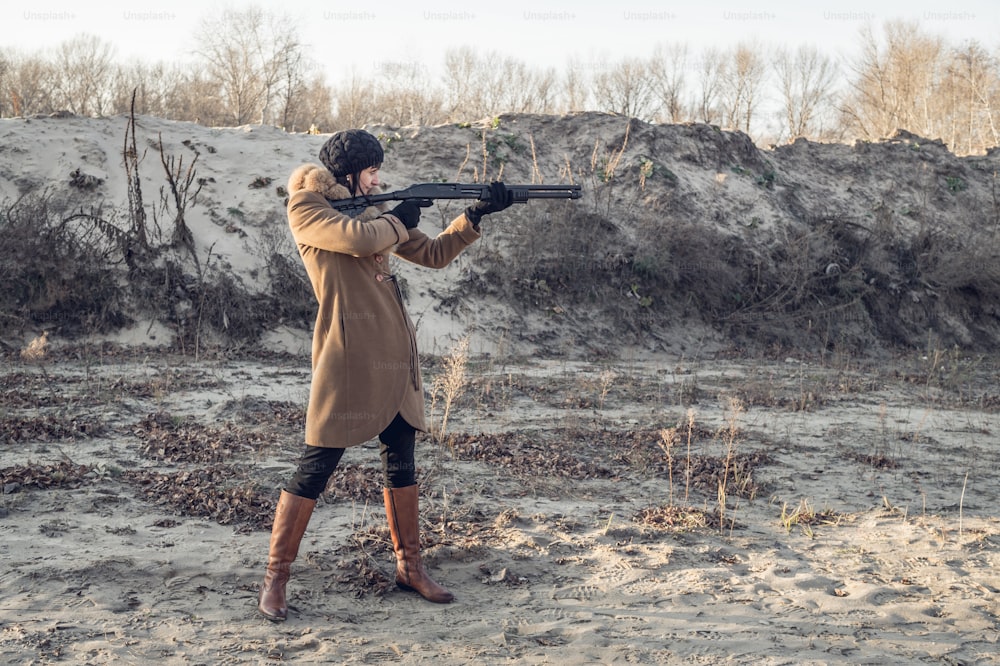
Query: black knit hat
(351, 151)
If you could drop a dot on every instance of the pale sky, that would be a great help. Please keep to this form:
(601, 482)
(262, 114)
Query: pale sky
(375, 36)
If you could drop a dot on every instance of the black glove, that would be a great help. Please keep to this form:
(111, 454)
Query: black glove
(408, 212)
(499, 198)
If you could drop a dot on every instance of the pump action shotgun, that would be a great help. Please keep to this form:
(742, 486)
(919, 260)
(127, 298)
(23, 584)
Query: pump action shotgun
(480, 191)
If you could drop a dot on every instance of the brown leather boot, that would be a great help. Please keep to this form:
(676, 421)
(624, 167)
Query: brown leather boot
(401, 507)
(290, 519)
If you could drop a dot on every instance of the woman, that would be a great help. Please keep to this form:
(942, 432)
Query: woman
(366, 375)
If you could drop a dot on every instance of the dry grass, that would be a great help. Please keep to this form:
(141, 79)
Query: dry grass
(805, 517)
(730, 435)
(669, 439)
(37, 349)
(448, 386)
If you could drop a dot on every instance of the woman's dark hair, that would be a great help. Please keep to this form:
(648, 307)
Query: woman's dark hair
(351, 182)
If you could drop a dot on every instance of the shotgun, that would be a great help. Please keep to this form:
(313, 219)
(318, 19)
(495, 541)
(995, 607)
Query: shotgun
(479, 191)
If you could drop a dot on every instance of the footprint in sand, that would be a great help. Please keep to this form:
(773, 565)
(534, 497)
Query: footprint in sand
(577, 593)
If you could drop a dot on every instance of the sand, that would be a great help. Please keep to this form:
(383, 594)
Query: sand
(858, 526)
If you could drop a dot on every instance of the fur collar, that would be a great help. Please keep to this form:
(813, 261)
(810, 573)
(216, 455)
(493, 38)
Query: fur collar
(315, 178)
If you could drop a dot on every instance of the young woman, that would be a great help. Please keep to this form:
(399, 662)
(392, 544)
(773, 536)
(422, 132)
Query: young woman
(366, 375)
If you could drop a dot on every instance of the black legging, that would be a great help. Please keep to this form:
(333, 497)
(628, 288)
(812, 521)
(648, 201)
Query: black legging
(396, 450)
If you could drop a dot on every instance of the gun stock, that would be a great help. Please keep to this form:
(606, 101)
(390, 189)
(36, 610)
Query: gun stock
(478, 191)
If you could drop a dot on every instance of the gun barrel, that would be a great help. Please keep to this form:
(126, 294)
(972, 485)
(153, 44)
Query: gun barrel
(521, 193)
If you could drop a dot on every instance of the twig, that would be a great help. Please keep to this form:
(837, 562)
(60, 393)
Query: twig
(961, 502)
(130, 156)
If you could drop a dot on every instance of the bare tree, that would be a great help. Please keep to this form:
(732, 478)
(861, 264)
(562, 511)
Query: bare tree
(575, 86)
(894, 84)
(301, 102)
(82, 78)
(6, 71)
(226, 47)
(291, 73)
(480, 86)
(283, 63)
(196, 99)
(805, 79)
(143, 88)
(250, 55)
(28, 86)
(314, 106)
(626, 88)
(527, 89)
(405, 96)
(462, 90)
(353, 102)
(711, 68)
(490, 81)
(545, 88)
(972, 87)
(742, 76)
(668, 67)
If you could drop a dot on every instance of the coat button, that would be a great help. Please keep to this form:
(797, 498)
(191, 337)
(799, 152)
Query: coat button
(379, 277)
(378, 258)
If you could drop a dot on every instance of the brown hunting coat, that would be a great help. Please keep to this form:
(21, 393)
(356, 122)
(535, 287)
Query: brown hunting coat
(365, 368)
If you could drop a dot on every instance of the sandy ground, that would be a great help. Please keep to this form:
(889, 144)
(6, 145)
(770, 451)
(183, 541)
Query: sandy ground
(652, 510)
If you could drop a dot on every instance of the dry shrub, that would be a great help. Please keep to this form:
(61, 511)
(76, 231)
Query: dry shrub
(800, 288)
(957, 262)
(60, 270)
(291, 298)
(697, 270)
(655, 270)
(228, 309)
(215, 309)
(572, 263)
(559, 247)
(821, 282)
(938, 281)
(76, 273)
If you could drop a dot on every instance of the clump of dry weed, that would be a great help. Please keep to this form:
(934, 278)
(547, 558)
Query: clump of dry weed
(37, 348)
(805, 517)
(448, 385)
(669, 439)
(730, 435)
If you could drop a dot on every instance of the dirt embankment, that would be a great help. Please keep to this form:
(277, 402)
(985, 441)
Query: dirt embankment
(688, 238)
